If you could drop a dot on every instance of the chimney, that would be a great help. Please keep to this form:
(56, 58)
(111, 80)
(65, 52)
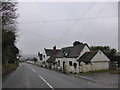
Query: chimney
(54, 48)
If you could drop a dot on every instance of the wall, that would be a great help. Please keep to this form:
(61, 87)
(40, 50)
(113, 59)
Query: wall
(85, 49)
(100, 56)
(71, 68)
(85, 67)
(100, 65)
(68, 68)
(100, 61)
(46, 57)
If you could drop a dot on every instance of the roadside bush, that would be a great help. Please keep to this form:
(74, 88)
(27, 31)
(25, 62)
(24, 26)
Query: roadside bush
(8, 68)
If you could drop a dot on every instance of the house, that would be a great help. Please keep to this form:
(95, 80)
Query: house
(66, 58)
(40, 59)
(75, 59)
(47, 57)
(51, 62)
(93, 60)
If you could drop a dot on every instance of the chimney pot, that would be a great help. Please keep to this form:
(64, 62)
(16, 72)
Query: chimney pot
(54, 47)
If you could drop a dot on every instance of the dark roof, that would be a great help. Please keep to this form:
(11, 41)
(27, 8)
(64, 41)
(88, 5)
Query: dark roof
(51, 52)
(51, 59)
(72, 52)
(87, 56)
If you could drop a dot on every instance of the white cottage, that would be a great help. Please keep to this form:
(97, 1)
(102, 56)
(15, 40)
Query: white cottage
(93, 60)
(40, 59)
(74, 59)
(48, 57)
(67, 57)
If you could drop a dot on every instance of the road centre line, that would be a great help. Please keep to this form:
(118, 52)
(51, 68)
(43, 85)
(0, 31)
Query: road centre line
(46, 82)
(89, 82)
(33, 70)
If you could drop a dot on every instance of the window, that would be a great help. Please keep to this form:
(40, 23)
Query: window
(86, 63)
(75, 65)
(70, 63)
(44, 56)
(66, 54)
(58, 62)
(79, 63)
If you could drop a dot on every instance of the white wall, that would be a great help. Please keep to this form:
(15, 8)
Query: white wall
(100, 65)
(68, 68)
(100, 61)
(100, 56)
(85, 67)
(46, 57)
(71, 68)
(85, 49)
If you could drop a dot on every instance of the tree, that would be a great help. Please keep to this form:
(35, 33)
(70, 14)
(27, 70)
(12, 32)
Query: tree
(77, 43)
(35, 59)
(9, 30)
(109, 52)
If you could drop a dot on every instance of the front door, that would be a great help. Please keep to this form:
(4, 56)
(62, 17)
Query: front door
(63, 65)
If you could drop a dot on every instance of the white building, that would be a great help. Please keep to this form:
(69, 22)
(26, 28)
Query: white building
(93, 60)
(74, 59)
(47, 57)
(67, 57)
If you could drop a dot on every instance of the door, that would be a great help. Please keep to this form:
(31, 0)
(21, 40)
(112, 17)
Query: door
(63, 65)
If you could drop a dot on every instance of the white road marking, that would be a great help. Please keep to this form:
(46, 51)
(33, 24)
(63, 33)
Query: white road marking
(33, 70)
(89, 82)
(46, 82)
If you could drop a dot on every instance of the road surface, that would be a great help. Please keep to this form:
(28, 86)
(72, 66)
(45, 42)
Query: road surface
(30, 76)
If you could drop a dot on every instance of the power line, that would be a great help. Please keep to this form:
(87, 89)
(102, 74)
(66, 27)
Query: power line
(47, 37)
(88, 9)
(66, 20)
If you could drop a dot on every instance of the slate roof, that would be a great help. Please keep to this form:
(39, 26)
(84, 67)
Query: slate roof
(87, 56)
(51, 59)
(51, 52)
(72, 52)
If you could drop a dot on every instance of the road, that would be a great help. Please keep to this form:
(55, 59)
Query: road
(30, 76)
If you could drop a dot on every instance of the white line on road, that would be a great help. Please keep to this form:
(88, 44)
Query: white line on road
(33, 70)
(89, 82)
(46, 82)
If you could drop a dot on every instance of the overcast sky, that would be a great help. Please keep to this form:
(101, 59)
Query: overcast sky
(43, 25)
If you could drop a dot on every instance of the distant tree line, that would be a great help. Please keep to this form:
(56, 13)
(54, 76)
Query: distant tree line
(32, 59)
(9, 30)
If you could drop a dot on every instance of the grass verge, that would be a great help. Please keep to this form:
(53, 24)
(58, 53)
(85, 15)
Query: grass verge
(96, 71)
(8, 68)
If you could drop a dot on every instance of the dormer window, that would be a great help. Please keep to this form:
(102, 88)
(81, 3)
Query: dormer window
(65, 53)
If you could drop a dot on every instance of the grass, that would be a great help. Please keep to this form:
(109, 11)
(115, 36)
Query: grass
(96, 71)
(8, 68)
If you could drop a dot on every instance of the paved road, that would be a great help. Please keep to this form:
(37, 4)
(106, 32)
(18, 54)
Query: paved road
(108, 78)
(30, 76)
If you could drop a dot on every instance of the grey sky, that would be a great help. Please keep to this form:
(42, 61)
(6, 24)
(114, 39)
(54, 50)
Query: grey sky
(43, 25)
